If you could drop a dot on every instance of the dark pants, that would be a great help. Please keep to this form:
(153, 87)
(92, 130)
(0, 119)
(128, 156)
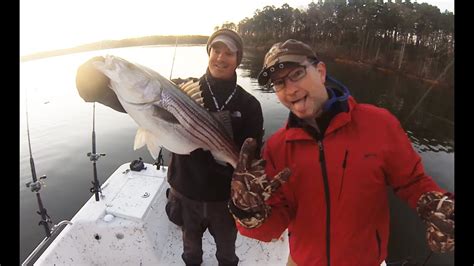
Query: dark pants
(199, 216)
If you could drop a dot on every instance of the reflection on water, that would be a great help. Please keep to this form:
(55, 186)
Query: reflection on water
(61, 126)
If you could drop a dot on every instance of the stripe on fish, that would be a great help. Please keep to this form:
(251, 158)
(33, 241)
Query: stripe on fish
(166, 114)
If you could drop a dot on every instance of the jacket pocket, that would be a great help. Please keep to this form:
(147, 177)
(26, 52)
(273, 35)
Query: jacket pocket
(344, 163)
(173, 208)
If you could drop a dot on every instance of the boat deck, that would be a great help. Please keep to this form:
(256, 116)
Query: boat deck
(129, 226)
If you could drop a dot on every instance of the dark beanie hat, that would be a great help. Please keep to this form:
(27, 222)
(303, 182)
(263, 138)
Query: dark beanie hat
(234, 36)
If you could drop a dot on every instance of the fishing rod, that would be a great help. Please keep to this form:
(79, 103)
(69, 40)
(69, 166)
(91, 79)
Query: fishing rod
(159, 161)
(94, 157)
(174, 55)
(428, 91)
(35, 185)
(407, 261)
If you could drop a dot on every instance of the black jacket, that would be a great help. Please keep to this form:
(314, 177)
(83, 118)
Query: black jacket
(197, 175)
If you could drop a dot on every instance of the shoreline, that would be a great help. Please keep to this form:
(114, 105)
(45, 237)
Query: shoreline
(252, 52)
(388, 71)
(357, 63)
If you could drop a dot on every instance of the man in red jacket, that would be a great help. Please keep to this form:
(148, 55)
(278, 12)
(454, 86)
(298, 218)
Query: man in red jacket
(332, 165)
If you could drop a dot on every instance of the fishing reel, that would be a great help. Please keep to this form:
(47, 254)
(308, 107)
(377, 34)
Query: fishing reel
(137, 165)
(36, 186)
(159, 161)
(95, 156)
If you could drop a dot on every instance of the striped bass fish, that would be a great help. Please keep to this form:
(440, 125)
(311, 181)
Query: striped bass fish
(166, 114)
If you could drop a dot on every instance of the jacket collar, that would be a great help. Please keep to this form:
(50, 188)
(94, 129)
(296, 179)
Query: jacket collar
(336, 117)
(221, 87)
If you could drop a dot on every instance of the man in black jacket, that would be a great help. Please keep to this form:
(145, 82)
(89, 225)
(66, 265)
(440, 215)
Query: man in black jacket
(200, 186)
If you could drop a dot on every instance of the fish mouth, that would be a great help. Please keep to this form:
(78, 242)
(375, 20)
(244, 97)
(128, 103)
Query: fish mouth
(137, 103)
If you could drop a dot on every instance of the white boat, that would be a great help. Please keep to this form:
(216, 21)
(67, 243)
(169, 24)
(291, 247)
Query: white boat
(129, 226)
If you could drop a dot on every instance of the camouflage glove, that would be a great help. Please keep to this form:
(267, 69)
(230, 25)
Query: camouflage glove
(93, 86)
(437, 211)
(250, 187)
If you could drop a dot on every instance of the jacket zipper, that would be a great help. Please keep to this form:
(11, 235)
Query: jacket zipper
(322, 161)
(343, 172)
(378, 241)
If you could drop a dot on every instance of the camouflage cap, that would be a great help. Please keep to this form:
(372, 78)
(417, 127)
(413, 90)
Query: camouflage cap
(290, 51)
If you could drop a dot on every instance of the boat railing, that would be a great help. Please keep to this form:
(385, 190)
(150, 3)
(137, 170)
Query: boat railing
(54, 232)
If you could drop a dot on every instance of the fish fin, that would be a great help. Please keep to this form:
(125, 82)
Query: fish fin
(221, 159)
(192, 89)
(200, 101)
(145, 137)
(196, 95)
(183, 86)
(140, 138)
(189, 86)
(153, 147)
(223, 163)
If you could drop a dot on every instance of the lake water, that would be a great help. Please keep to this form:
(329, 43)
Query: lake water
(60, 125)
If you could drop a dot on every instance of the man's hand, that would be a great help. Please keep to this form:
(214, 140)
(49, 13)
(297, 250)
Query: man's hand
(250, 187)
(93, 86)
(437, 211)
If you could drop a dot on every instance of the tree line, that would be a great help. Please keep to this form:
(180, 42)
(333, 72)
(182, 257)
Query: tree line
(409, 37)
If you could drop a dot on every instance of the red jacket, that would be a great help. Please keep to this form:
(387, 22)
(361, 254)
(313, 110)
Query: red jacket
(346, 175)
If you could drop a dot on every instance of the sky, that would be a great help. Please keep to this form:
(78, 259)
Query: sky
(54, 24)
